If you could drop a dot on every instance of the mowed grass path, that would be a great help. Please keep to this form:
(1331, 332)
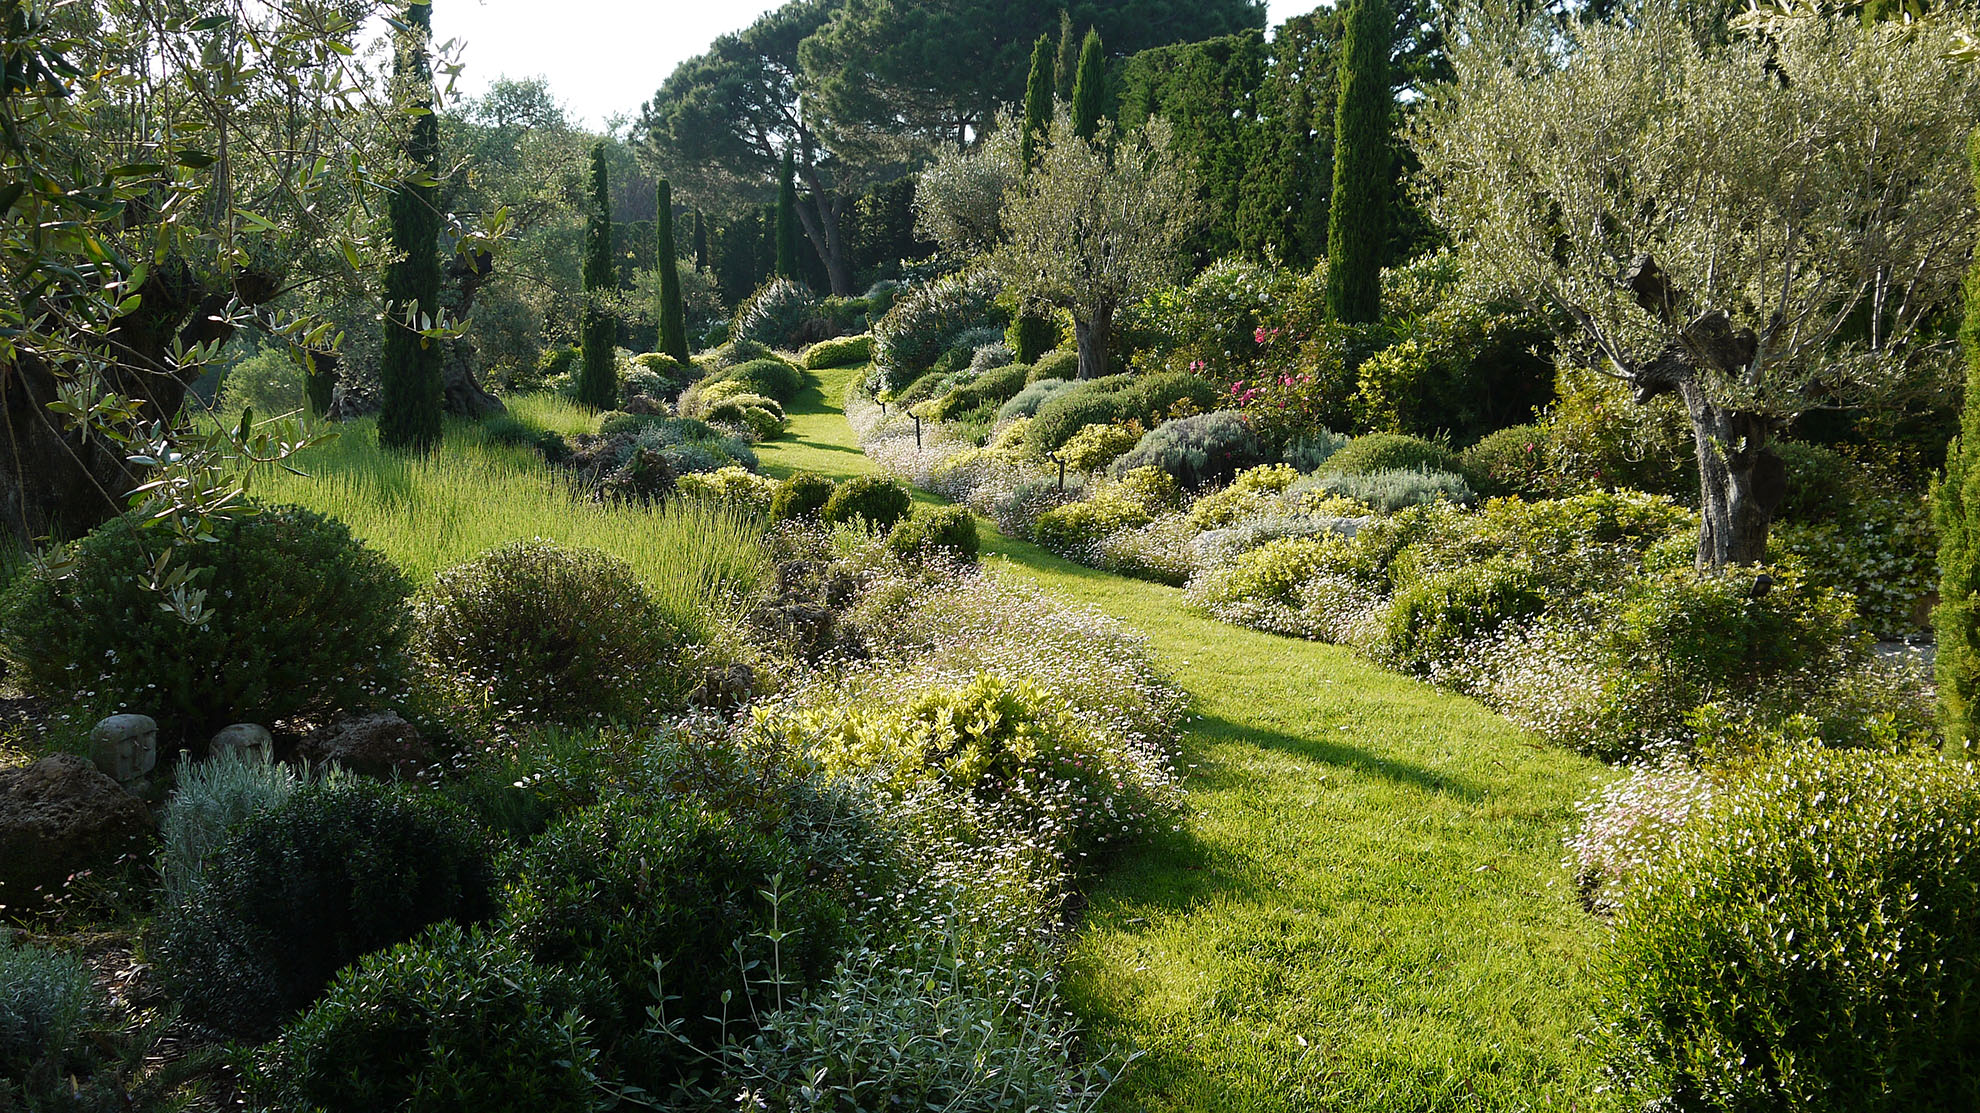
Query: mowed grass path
(1364, 908)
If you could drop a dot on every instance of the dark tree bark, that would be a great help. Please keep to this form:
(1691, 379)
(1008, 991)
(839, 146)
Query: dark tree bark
(1741, 479)
(1095, 336)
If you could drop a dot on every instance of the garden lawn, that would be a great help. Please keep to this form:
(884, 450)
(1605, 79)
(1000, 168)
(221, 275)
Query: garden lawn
(1365, 907)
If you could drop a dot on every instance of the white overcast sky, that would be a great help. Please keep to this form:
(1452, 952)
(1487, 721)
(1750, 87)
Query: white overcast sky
(604, 57)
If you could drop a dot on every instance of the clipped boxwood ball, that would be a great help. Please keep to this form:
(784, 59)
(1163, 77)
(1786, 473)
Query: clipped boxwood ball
(877, 499)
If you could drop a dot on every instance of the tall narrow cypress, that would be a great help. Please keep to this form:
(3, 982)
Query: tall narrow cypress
(1089, 88)
(1956, 508)
(787, 220)
(1357, 225)
(700, 242)
(673, 315)
(1031, 335)
(598, 380)
(409, 366)
(1037, 99)
(1068, 61)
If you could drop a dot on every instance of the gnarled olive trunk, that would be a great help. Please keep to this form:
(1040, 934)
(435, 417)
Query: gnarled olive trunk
(1741, 480)
(1094, 333)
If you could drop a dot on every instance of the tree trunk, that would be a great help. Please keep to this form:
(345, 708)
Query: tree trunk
(821, 224)
(1740, 481)
(1094, 335)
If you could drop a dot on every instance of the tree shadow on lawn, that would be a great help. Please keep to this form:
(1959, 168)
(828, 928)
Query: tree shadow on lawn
(1319, 751)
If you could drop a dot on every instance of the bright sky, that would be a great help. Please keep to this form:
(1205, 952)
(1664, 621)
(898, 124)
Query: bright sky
(605, 57)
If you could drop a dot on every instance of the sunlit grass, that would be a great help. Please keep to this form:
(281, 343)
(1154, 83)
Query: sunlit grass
(471, 495)
(1365, 908)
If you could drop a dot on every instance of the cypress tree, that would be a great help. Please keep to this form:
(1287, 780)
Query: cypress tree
(673, 315)
(1956, 508)
(1068, 61)
(1030, 336)
(1357, 226)
(598, 380)
(409, 366)
(787, 264)
(1037, 99)
(1089, 88)
(700, 242)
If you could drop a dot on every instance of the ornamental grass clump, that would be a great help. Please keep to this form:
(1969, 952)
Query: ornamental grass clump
(1806, 943)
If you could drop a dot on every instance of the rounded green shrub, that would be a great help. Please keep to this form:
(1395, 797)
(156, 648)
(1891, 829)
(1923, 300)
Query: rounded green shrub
(1375, 452)
(922, 389)
(534, 633)
(769, 377)
(613, 422)
(948, 530)
(878, 500)
(1198, 451)
(269, 382)
(1059, 363)
(452, 1022)
(1807, 944)
(1705, 631)
(622, 888)
(1156, 398)
(1391, 490)
(340, 870)
(1036, 393)
(845, 351)
(304, 620)
(1065, 412)
(1512, 461)
(1433, 617)
(990, 389)
(801, 495)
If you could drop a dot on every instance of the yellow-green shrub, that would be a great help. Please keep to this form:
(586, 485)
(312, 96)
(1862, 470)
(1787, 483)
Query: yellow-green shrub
(1246, 497)
(1096, 446)
(744, 490)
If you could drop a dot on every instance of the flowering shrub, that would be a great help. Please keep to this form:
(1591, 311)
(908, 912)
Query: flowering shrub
(947, 531)
(1249, 495)
(536, 633)
(1800, 944)
(1627, 826)
(878, 500)
(1437, 615)
(1883, 552)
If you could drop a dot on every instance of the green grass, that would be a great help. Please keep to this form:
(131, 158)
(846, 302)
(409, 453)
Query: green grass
(472, 495)
(1365, 907)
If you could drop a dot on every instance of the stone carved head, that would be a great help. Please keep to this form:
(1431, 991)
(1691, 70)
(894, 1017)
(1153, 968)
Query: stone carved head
(125, 747)
(249, 742)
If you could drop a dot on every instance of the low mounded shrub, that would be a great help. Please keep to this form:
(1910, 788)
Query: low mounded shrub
(1394, 489)
(744, 490)
(209, 800)
(1821, 483)
(772, 378)
(1247, 496)
(1036, 393)
(1096, 446)
(533, 632)
(450, 1022)
(1198, 451)
(1376, 452)
(845, 351)
(46, 999)
(1059, 363)
(801, 495)
(342, 869)
(878, 500)
(948, 530)
(622, 888)
(305, 620)
(1512, 461)
(742, 411)
(1082, 403)
(1309, 451)
(1435, 616)
(992, 388)
(1806, 944)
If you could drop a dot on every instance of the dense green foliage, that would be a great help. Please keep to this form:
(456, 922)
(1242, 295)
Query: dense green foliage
(534, 633)
(409, 366)
(1357, 221)
(96, 637)
(948, 531)
(1089, 87)
(46, 1000)
(1956, 511)
(1807, 945)
(878, 501)
(597, 382)
(452, 1021)
(787, 226)
(673, 339)
(338, 871)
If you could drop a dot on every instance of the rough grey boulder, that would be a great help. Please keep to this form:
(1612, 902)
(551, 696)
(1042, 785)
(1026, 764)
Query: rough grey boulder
(58, 816)
(377, 744)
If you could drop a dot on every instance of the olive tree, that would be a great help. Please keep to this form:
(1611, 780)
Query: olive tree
(959, 199)
(1763, 224)
(1099, 223)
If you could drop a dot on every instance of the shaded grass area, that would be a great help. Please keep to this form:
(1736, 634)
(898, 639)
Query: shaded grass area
(1364, 908)
(432, 513)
